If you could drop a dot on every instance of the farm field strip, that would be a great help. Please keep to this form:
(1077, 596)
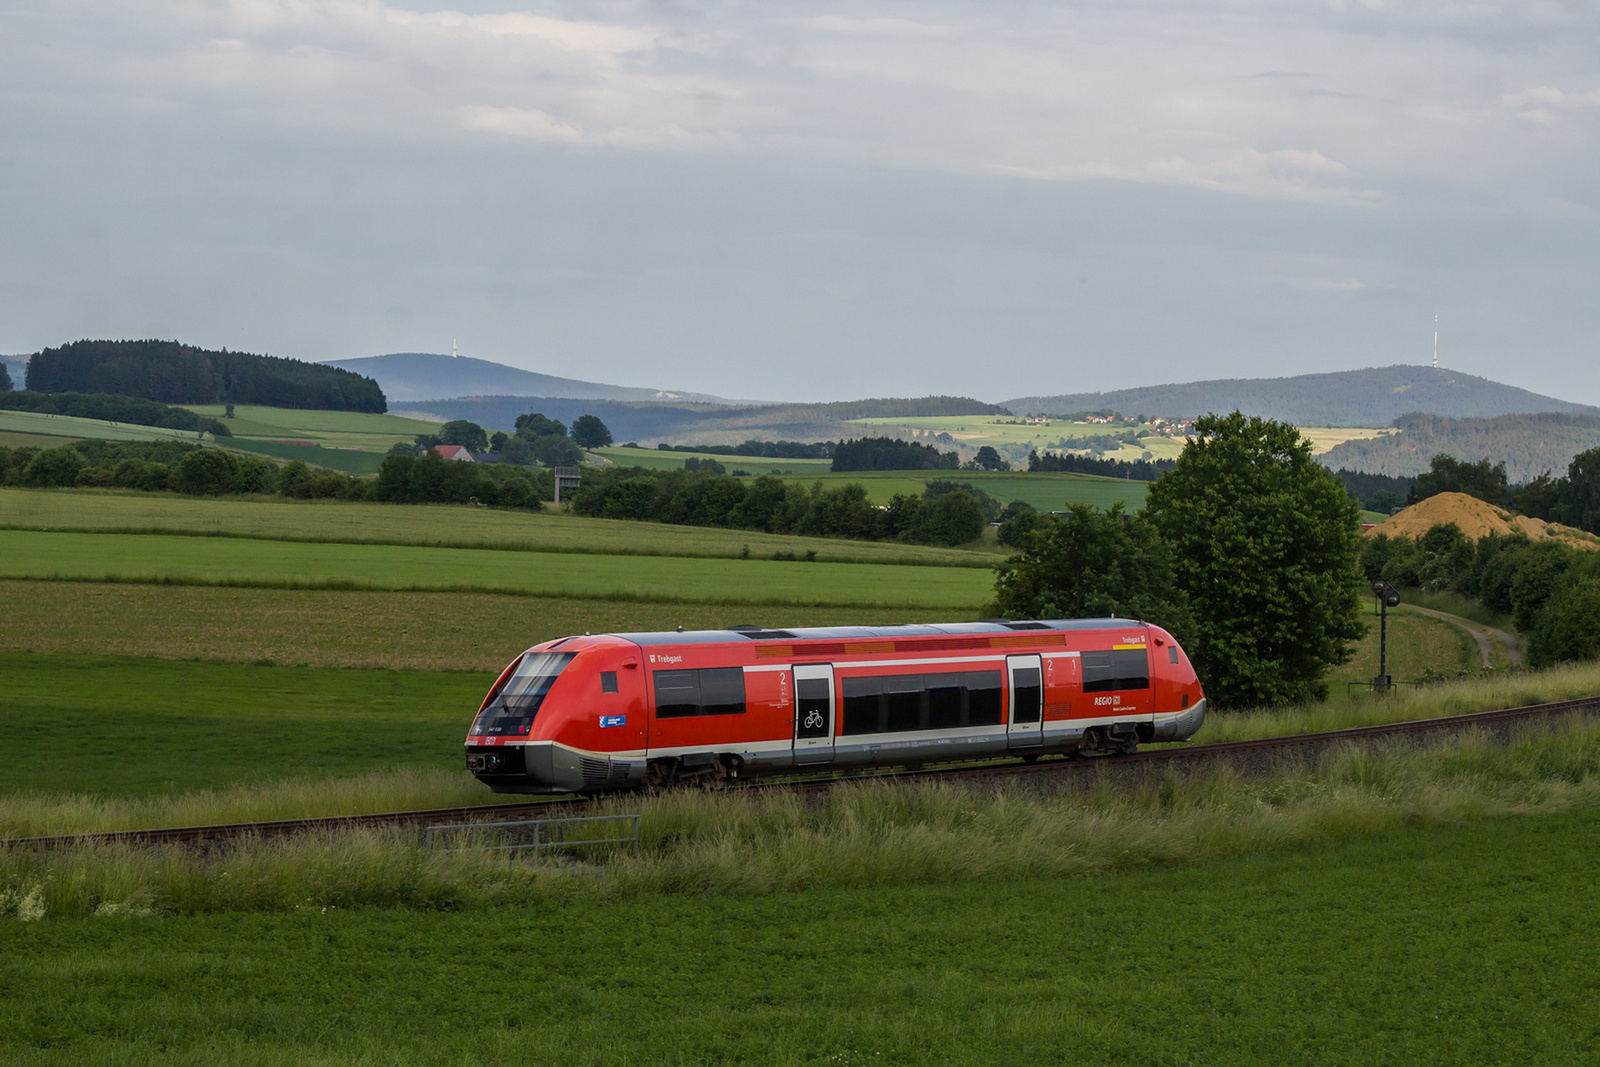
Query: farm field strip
(657, 459)
(436, 525)
(353, 628)
(238, 561)
(1045, 492)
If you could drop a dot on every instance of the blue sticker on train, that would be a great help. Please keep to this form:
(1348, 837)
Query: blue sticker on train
(613, 720)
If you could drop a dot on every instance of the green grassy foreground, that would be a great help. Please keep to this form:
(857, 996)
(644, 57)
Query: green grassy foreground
(437, 525)
(1471, 944)
(132, 727)
(287, 564)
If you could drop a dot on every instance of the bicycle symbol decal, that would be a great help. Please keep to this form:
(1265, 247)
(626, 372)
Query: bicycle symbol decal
(814, 720)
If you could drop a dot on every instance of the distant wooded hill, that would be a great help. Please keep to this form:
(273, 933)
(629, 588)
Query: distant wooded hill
(1373, 397)
(1528, 445)
(418, 376)
(174, 373)
(708, 423)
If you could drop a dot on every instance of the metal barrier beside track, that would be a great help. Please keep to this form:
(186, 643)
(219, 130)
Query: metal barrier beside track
(1265, 752)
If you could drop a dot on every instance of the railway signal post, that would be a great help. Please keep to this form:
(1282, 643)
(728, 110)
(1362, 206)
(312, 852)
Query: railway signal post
(1387, 598)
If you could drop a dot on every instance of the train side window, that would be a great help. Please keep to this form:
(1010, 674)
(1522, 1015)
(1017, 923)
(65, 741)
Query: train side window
(608, 681)
(862, 700)
(1172, 653)
(1110, 671)
(1029, 694)
(722, 691)
(944, 701)
(902, 698)
(983, 698)
(712, 691)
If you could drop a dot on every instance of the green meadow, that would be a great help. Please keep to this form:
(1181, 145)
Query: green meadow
(238, 561)
(1046, 492)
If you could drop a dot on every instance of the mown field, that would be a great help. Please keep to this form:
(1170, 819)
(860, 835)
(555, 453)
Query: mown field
(59, 429)
(1465, 944)
(656, 459)
(288, 564)
(438, 525)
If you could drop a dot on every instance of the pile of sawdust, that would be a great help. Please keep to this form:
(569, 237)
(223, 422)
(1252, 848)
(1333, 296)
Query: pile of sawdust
(1477, 519)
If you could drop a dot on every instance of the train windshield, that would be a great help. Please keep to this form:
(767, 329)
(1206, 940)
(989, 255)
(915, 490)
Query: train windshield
(511, 712)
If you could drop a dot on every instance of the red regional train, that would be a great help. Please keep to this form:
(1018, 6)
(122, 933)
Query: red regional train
(620, 711)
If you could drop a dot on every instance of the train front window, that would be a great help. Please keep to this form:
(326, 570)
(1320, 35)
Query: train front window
(511, 712)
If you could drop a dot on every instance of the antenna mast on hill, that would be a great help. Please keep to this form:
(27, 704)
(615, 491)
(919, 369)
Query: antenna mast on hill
(457, 355)
(1435, 340)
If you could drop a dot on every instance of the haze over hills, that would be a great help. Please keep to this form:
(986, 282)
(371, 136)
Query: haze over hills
(408, 377)
(1375, 396)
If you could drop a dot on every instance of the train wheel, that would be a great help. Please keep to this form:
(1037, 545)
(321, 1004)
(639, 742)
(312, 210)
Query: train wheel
(661, 774)
(1031, 758)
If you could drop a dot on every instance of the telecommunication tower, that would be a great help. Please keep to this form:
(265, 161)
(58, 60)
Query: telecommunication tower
(457, 355)
(1435, 340)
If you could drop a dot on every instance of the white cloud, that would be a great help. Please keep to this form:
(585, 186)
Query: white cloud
(1180, 94)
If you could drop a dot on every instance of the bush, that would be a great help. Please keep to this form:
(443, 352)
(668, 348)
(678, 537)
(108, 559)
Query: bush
(1568, 628)
(207, 472)
(54, 467)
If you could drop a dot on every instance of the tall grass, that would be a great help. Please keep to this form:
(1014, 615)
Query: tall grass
(33, 813)
(1488, 691)
(875, 834)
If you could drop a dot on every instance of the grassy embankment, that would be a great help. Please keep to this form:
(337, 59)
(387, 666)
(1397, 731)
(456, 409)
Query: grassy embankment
(1414, 945)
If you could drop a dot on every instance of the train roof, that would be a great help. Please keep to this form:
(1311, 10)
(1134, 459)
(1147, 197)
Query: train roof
(848, 633)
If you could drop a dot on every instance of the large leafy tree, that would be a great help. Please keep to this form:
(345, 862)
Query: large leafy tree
(590, 432)
(1266, 545)
(1087, 563)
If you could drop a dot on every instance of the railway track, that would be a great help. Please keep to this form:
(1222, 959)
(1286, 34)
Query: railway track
(1273, 752)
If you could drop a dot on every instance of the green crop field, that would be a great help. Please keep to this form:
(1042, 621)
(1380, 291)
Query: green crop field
(655, 459)
(331, 429)
(239, 561)
(435, 524)
(1467, 944)
(129, 727)
(72, 428)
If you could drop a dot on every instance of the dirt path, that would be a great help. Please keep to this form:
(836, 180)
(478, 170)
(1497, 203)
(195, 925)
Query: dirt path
(1485, 636)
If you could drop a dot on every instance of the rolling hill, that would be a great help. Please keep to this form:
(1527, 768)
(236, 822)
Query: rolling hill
(1372, 397)
(410, 377)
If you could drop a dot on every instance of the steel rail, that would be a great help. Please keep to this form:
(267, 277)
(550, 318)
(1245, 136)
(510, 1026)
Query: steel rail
(1270, 750)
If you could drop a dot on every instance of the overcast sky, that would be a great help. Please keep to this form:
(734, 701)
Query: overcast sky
(808, 202)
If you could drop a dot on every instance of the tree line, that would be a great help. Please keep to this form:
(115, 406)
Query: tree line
(944, 514)
(175, 373)
(176, 467)
(1141, 470)
(1572, 499)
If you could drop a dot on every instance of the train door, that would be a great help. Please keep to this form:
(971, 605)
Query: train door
(813, 713)
(1025, 681)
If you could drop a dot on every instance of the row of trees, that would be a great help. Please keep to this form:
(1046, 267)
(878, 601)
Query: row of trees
(945, 514)
(112, 408)
(1143, 470)
(891, 454)
(175, 373)
(537, 440)
(160, 466)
